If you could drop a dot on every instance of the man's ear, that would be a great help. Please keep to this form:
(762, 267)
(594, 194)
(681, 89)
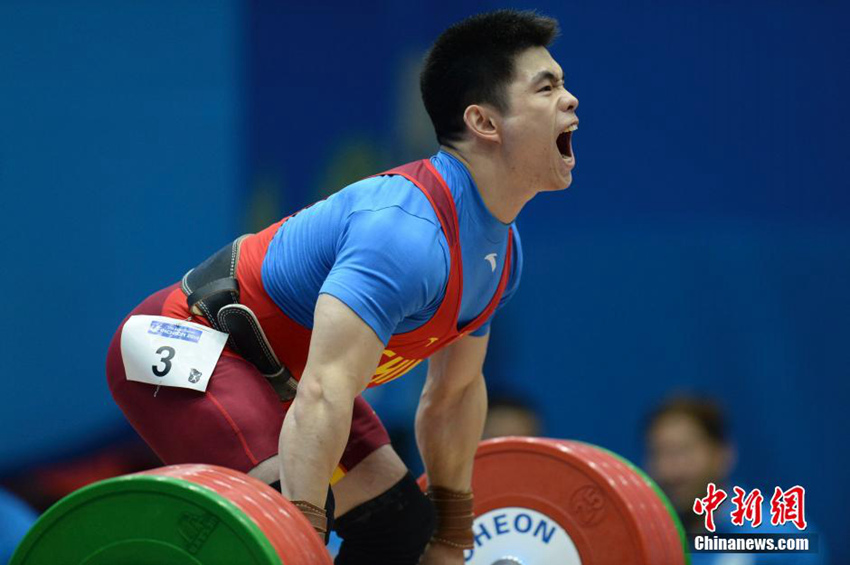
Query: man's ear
(482, 122)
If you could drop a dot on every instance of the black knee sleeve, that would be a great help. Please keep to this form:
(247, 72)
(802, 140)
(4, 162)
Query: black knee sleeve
(391, 529)
(329, 508)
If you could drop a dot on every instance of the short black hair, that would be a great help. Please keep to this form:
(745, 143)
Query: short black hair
(473, 61)
(707, 413)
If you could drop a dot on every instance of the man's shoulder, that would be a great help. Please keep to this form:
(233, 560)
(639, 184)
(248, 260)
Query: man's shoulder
(373, 195)
(383, 191)
(399, 235)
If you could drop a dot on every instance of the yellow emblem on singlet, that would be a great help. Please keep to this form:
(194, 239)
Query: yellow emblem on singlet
(393, 368)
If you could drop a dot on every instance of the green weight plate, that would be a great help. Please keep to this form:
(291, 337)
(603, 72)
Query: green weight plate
(145, 520)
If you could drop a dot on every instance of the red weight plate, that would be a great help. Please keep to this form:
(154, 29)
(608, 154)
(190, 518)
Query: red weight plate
(669, 528)
(646, 511)
(558, 481)
(658, 519)
(655, 512)
(634, 492)
(289, 532)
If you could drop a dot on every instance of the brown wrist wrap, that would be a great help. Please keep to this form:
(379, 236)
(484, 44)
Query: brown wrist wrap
(315, 515)
(454, 517)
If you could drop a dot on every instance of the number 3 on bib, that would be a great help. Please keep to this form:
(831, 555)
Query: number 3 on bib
(167, 352)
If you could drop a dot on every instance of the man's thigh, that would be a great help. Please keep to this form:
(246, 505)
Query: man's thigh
(235, 423)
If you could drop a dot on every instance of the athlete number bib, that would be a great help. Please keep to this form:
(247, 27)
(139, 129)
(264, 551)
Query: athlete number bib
(168, 352)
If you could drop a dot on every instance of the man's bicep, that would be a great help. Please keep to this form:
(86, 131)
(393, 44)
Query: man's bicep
(342, 343)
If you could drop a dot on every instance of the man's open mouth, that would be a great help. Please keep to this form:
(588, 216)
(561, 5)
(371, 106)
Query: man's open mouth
(564, 142)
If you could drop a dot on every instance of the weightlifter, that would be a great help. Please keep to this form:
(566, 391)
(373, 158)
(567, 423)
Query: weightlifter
(353, 292)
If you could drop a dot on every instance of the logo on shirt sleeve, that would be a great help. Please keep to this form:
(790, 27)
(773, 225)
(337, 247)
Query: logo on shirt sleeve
(492, 259)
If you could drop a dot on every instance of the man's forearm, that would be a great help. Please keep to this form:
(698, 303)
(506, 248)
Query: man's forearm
(448, 430)
(312, 440)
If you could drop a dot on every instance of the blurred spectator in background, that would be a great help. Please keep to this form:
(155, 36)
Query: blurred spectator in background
(16, 518)
(511, 416)
(688, 446)
(43, 484)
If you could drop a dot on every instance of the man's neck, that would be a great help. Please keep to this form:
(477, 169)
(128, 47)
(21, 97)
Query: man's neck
(502, 195)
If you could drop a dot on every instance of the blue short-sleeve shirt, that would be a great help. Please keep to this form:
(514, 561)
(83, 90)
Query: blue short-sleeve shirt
(377, 246)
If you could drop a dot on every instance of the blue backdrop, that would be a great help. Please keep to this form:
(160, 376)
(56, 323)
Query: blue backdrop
(704, 244)
(121, 162)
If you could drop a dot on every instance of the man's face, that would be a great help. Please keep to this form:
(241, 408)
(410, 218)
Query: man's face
(683, 459)
(536, 135)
